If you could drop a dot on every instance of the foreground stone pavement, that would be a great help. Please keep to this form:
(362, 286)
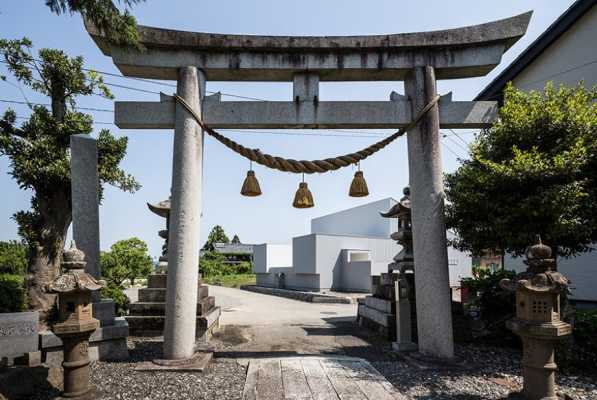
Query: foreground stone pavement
(495, 372)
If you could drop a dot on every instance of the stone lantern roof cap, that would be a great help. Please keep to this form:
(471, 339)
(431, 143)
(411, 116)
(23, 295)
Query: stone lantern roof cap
(162, 208)
(401, 208)
(74, 278)
(73, 254)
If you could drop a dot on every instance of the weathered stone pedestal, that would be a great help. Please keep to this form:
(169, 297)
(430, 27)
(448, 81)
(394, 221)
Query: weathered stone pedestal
(146, 316)
(378, 311)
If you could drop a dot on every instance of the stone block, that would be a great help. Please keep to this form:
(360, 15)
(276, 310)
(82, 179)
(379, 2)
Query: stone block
(104, 311)
(388, 278)
(383, 305)
(153, 325)
(153, 295)
(377, 321)
(156, 308)
(157, 281)
(18, 334)
(106, 343)
(379, 317)
(30, 359)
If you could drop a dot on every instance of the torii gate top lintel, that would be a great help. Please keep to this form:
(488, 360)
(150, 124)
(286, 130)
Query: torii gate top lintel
(454, 53)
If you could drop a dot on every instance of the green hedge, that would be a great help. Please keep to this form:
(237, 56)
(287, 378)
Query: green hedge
(215, 264)
(117, 294)
(13, 296)
(13, 258)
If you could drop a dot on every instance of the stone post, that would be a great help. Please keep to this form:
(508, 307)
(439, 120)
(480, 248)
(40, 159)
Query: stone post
(183, 252)
(85, 201)
(432, 287)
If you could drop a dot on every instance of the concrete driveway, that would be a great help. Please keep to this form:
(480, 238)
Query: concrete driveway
(240, 307)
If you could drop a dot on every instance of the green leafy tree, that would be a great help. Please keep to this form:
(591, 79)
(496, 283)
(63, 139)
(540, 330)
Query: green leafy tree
(119, 26)
(533, 172)
(39, 149)
(217, 235)
(235, 239)
(13, 258)
(127, 259)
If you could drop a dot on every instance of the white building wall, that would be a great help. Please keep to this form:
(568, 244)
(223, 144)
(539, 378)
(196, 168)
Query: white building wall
(580, 270)
(568, 60)
(460, 264)
(321, 260)
(358, 221)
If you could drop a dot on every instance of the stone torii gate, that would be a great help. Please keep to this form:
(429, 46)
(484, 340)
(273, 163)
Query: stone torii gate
(419, 59)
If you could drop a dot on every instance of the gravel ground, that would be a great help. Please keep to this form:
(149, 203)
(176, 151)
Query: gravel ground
(489, 373)
(224, 379)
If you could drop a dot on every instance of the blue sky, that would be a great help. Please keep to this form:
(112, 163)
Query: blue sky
(270, 217)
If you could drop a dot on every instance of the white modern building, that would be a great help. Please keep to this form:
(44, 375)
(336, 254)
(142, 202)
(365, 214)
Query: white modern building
(342, 252)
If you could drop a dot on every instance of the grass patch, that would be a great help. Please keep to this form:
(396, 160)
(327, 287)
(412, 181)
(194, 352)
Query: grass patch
(231, 280)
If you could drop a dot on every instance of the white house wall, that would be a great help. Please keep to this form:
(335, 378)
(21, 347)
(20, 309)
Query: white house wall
(266, 256)
(568, 60)
(580, 270)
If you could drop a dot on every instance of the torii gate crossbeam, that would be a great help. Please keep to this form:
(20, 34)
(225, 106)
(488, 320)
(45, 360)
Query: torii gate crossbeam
(417, 58)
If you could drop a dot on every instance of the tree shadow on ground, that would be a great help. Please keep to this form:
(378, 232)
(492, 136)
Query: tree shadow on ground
(21, 383)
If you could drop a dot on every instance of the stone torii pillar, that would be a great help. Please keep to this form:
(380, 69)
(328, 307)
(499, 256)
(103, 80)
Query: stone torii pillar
(416, 58)
(185, 215)
(434, 303)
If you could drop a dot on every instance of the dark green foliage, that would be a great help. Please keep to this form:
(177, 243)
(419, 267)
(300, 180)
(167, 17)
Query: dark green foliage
(217, 235)
(579, 352)
(38, 151)
(493, 304)
(215, 264)
(13, 296)
(116, 293)
(127, 259)
(533, 172)
(13, 258)
(119, 27)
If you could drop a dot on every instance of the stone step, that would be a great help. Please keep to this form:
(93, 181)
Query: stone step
(158, 308)
(156, 281)
(383, 305)
(388, 278)
(153, 325)
(384, 292)
(379, 317)
(158, 295)
(159, 281)
(377, 321)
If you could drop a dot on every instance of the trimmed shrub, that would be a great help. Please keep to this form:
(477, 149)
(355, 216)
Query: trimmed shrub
(493, 304)
(116, 293)
(13, 258)
(13, 296)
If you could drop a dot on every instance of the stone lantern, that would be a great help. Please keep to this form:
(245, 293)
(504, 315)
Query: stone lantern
(404, 264)
(76, 324)
(537, 320)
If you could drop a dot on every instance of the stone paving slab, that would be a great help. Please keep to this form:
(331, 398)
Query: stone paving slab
(316, 378)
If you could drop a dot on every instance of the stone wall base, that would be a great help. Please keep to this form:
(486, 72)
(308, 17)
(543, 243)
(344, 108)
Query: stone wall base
(107, 343)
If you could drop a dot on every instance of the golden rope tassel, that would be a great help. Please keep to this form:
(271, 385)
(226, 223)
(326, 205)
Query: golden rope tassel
(303, 197)
(251, 186)
(358, 187)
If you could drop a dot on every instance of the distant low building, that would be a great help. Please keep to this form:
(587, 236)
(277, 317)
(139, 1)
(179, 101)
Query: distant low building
(342, 252)
(235, 252)
(566, 53)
